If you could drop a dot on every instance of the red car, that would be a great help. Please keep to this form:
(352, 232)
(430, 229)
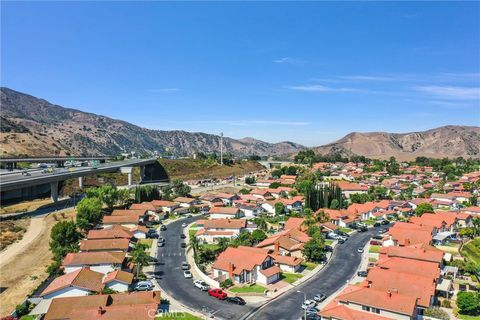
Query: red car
(217, 293)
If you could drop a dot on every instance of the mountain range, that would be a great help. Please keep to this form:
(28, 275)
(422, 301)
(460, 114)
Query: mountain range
(35, 127)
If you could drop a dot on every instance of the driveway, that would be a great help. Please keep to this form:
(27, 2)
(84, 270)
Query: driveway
(341, 267)
(173, 282)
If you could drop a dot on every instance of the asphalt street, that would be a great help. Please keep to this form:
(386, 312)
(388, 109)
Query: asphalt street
(341, 267)
(174, 283)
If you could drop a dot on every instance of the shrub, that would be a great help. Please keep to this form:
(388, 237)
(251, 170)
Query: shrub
(438, 313)
(446, 304)
(226, 284)
(22, 309)
(468, 302)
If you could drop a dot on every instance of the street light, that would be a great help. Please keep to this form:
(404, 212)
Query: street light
(304, 299)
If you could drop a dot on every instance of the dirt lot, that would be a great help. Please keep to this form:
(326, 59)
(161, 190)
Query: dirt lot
(25, 268)
(189, 169)
(25, 206)
(12, 231)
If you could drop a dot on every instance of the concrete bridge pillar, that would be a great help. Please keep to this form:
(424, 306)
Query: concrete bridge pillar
(54, 191)
(128, 171)
(80, 182)
(142, 173)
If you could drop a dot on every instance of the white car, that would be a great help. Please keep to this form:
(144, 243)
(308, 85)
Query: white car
(187, 274)
(184, 225)
(360, 250)
(308, 304)
(201, 285)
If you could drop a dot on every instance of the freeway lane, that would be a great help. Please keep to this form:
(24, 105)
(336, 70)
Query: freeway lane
(173, 282)
(342, 267)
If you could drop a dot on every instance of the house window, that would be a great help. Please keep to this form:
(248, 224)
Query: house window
(365, 308)
(375, 310)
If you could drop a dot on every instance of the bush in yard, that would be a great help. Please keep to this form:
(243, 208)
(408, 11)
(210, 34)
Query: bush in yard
(313, 249)
(446, 304)
(64, 239)
(468, 302)
(54, 268)
(22, 309)
(438, 313)
(226, 284)
(89, 213)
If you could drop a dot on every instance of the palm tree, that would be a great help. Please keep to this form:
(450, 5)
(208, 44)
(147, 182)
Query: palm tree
(139, 256)
(194, 244)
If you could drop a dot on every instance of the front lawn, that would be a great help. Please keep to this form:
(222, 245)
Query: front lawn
(328, 242)
(369, 222)
(210, 246)
(309, 265)
(248, 289)
(192, 232)
(290, 277)
(374, 249)
(346, 230)
(176, 316)
(148, 242)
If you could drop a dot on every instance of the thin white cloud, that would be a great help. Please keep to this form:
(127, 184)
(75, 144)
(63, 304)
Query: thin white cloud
(370, 78)
(449, 92)
(288, 60)
(159, 90)
(325, 89)
(453, 104)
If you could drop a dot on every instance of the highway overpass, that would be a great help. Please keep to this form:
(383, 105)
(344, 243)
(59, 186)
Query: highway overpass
(11, 162)
(20, 185)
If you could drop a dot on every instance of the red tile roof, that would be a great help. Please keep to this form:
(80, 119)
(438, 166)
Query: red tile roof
(82, 278)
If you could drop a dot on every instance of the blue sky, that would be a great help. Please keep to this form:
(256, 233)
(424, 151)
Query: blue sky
(305, 72)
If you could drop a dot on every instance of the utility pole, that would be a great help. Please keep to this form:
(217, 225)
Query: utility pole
(221, 148)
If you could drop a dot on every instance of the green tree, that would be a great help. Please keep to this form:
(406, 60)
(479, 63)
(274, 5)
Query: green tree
(393, 167)
(180, 189)
(89, 213)
(468, 302)
(244, 191)
(423, 208)
(279, 208)
(64, 238)
(139, 256)
(313, 249)
(258, 236)
(274, 185)
(334, 204)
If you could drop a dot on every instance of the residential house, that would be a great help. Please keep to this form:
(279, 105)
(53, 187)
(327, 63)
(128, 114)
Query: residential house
(349, 188)
(116, 232)
(103, 261)
(119, 245)
(288, 242)
(243, 265)
(119, 306)
(186, 202)
(213, 229)
(225, 213)
(165, 206)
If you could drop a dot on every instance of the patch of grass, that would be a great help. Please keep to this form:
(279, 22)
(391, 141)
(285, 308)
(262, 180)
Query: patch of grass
(148, 242)
(176, 316)
(465, 316)
(372, 260)
(309, 265)
(471, 251)
(328, 242)
(191, 232)
(369, 222)
(248, 289)
(346, 230)
(374, 249)
(210, 246)
(290, 277)
(28, 317)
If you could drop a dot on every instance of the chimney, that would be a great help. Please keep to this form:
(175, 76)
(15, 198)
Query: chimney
(100, 311)
(230, 270)
(389, 293)
(276, 249)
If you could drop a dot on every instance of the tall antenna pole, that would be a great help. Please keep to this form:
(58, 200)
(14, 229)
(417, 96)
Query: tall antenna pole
(221, 148)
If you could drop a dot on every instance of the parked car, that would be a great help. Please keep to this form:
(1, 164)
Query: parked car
(236, 300)
(185, 265)
(163, 228)
(320, 297)
(362, 273)
(161, 239)
(217, 293)
(377, 224)
(160, 244)
(308, 304)
(377, 237)
(385, 222)
(152, 234)
(327, 248)
(153, 261)
(360, 250)
(362, 229)
(312, 310)
(182, 236)
(341, 241)
(375, 242)
(341, 233)
(184, 225)
(201, 285)
(187, 274)
(143, 286)
(183, 245)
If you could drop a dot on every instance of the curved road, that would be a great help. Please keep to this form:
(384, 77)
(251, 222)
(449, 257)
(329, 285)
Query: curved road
(341, 267)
